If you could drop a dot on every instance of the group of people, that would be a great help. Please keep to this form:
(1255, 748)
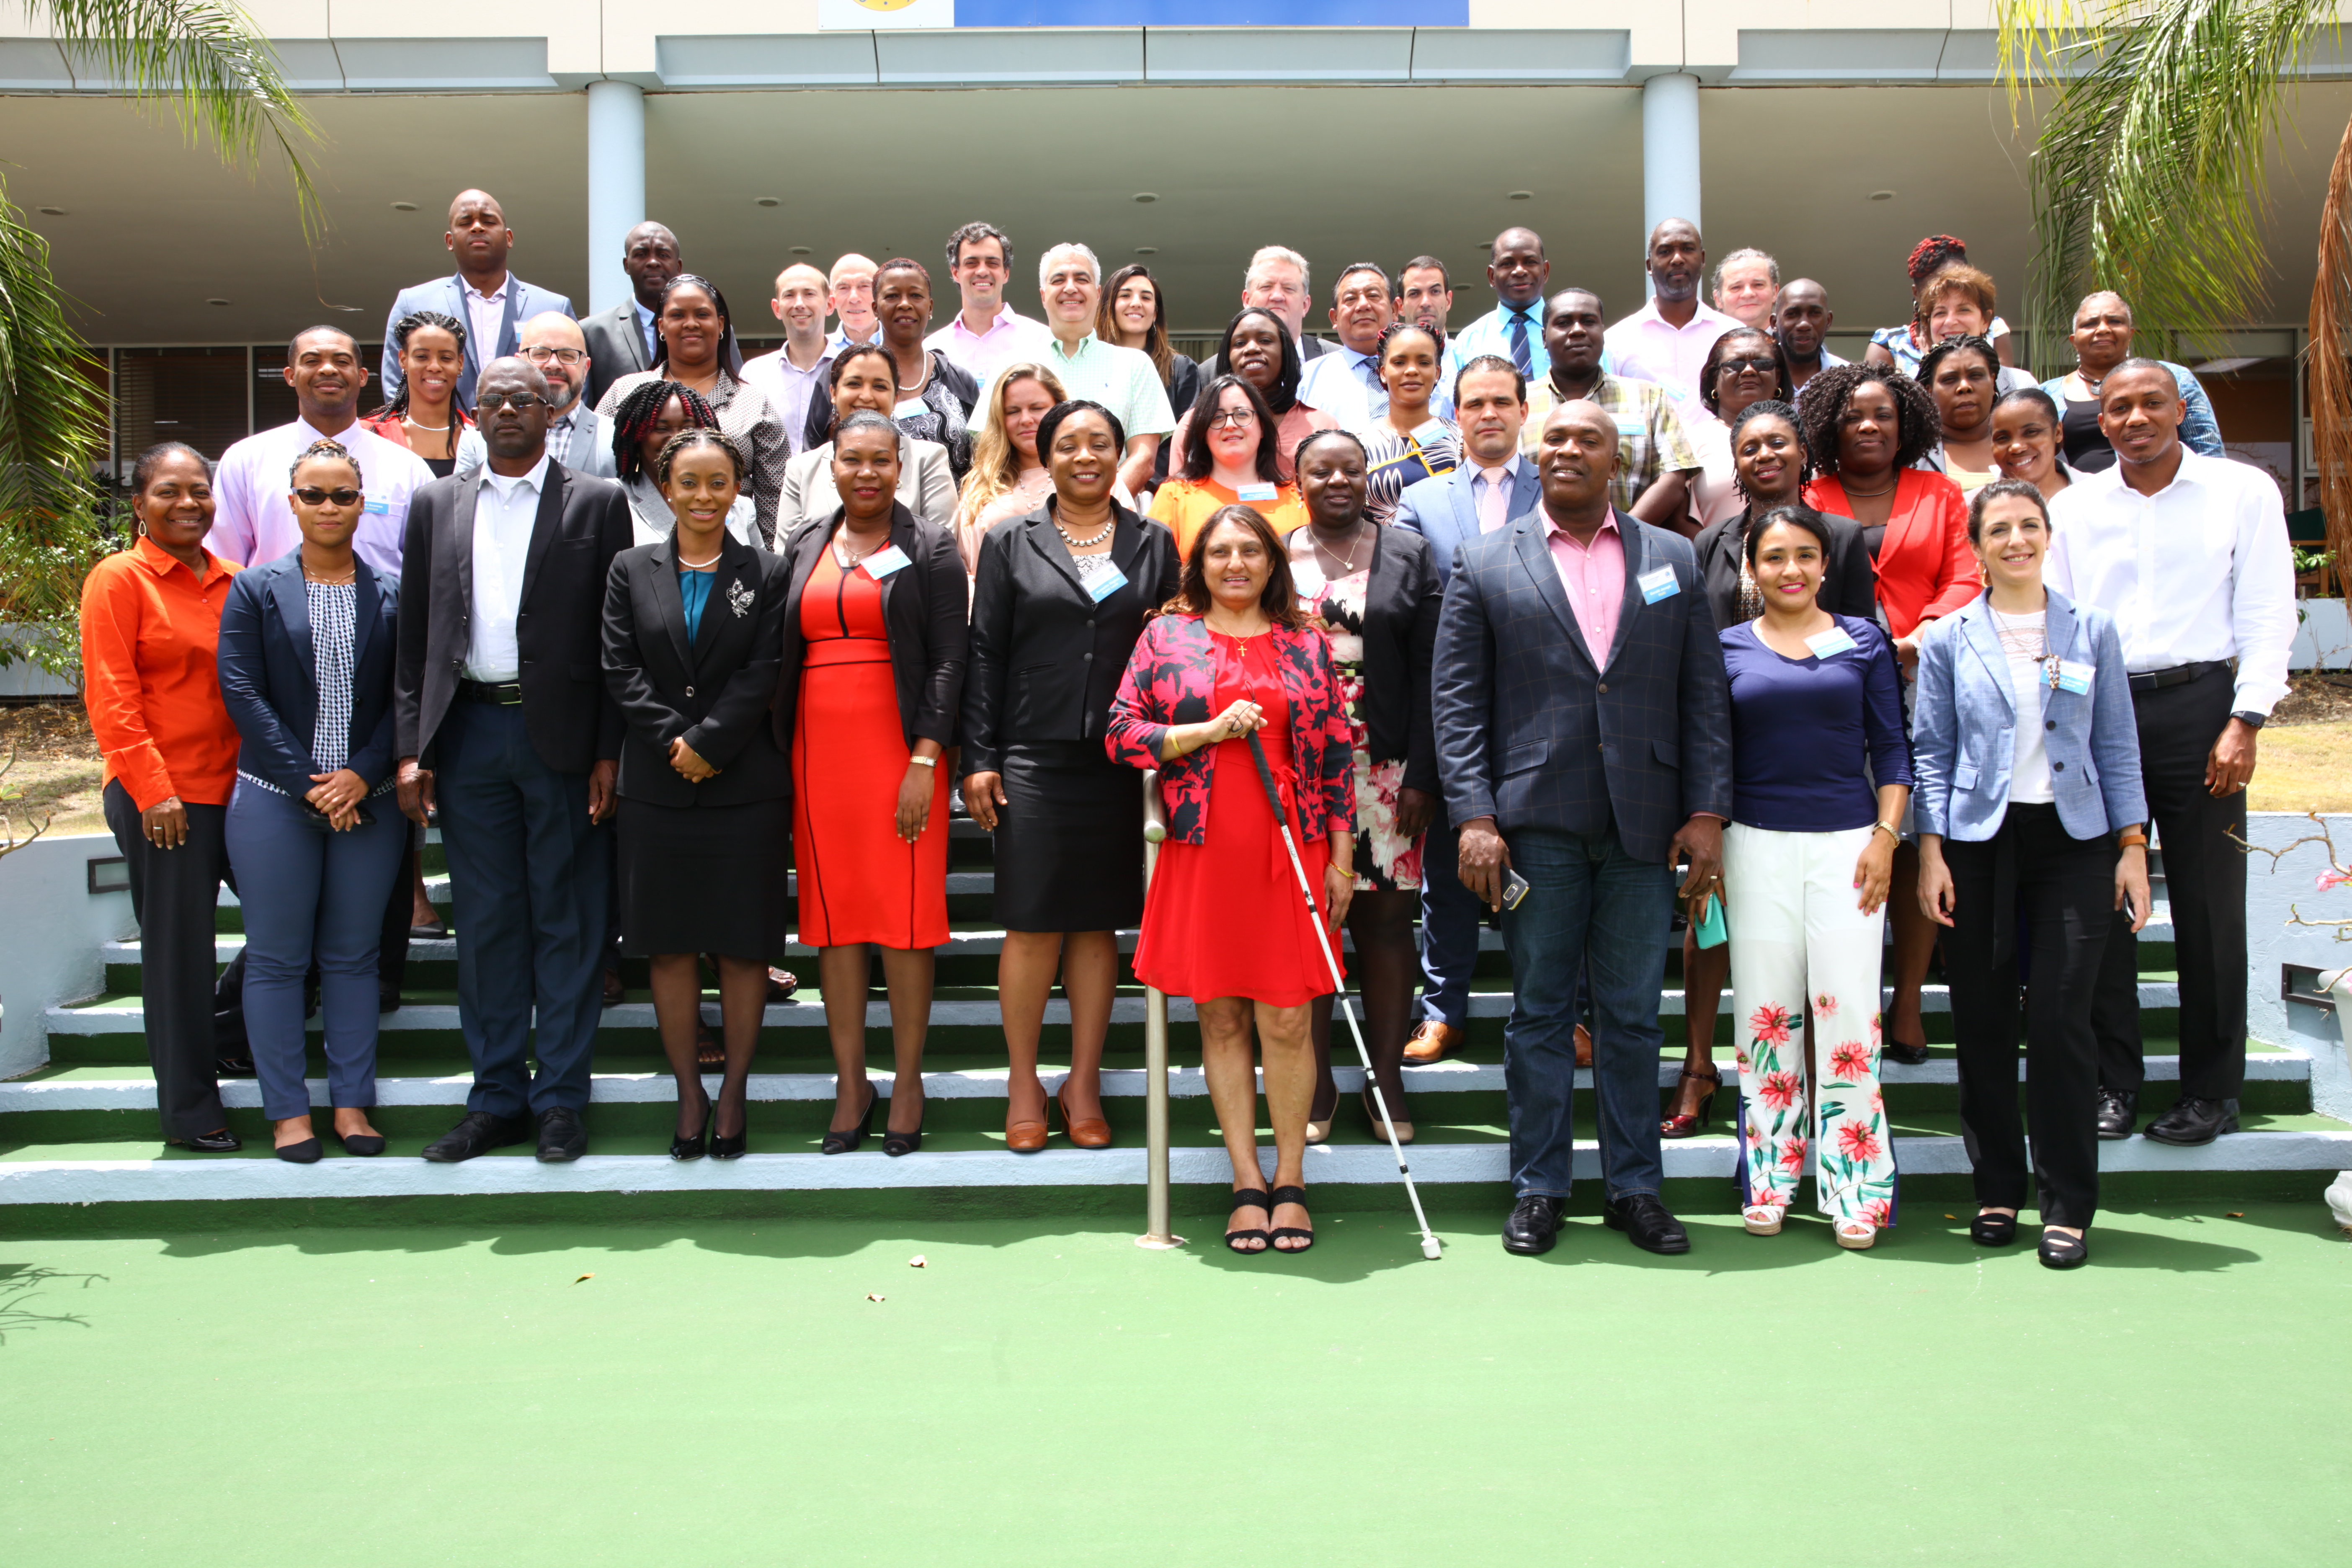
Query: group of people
(1603, 629)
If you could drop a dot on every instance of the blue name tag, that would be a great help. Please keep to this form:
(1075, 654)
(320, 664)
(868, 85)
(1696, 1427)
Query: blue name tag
(1254, 492)
(1631, 426)
(884, 561)
(1431, 433)
(1830, 643)
(1659, 584)
(1107, 583)
(2073, 675)
(380, 507)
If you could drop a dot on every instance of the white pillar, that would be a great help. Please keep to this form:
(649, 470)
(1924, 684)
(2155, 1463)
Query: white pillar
(616, 184)
(1670, 174)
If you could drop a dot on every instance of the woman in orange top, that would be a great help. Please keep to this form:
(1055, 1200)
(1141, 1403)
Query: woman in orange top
(1865, 425)
(1229, 458)
(150, 621)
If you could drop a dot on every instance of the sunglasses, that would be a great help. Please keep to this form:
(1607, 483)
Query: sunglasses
(489, 401)
(1734, 366)
(311, 495)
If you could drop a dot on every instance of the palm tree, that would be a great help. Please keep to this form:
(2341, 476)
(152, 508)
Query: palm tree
(205, 64)
(2149, 178)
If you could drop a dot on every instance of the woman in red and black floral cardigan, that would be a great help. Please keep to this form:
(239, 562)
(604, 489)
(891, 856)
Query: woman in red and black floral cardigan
(1223, 923)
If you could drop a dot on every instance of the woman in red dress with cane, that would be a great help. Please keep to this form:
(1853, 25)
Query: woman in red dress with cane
(1230, 655)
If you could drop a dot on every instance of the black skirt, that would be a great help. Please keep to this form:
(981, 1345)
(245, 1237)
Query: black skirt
(705, 879)
(1069, 840)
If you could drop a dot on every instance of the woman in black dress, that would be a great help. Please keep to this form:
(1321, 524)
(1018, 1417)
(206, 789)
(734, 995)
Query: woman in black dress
(693, 626)
(1060, 597)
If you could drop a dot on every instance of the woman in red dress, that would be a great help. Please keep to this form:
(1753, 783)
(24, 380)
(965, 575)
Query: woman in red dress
(1223, 923)
(872, 677)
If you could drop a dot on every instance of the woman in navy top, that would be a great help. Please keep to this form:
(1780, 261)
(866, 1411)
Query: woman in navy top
(1821, 772)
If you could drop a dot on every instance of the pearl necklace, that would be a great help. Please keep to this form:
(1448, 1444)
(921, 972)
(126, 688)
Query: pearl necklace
(1090, 541)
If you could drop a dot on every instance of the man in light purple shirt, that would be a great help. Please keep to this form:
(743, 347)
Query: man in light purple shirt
(1666, 340)
(987, 335)
(789, 377)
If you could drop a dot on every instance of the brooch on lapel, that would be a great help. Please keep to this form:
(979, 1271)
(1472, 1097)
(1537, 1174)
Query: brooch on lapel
(739, 598)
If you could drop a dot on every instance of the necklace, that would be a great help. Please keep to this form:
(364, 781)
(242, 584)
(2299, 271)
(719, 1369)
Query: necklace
(1347, 561)
(841, 550)
(1853, 494)
(415, 424)
(1090, 541)
(310, 576)
(686, 565)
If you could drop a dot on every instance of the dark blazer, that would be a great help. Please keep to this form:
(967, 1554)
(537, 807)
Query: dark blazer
(583, 523)
(1531, 734)
(268, 677)
(1399, 632)
(714, 693)
(956, 381)
(923, 608)
(1849, 583)
(1445, 510)
(447, 295)
(1046, 656)
(615, 349)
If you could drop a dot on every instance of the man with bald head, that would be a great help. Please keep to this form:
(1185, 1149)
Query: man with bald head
(1668, 338)
(621, 340)
(790, 376)
(1517, 269)
(491, 301)
(1583, 733)
(1800, 325)
(577, 436)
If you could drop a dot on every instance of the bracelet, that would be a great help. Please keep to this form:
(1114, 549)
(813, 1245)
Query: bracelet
(1889, 829)
(2132, 838)
(922, 762)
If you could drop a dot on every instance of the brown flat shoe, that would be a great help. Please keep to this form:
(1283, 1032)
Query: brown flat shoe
(1432, 1040)
(1583, 1047)
(1094, 1132)
(1026, 1137)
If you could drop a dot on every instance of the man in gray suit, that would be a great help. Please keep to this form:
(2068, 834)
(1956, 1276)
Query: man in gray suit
(1493, 485)
(577, 436)
(1584, 736)
(621, 339)
(490, 301)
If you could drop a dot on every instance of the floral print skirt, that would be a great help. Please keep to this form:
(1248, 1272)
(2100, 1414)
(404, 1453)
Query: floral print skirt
(1385, 863)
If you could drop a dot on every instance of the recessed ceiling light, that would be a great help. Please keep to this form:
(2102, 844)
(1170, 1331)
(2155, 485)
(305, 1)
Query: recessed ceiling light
(404, 206)
(800, 250)
(1146, 251)
(1146, 196)
(1881, 196)
(216, 301)
(767, 202)
(1523, 196)
(54, 212)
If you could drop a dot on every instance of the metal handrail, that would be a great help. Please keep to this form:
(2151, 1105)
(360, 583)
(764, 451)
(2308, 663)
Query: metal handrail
(1156, 1233)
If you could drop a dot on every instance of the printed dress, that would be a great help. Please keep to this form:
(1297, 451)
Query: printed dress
(1385, 862)
(1392, 462)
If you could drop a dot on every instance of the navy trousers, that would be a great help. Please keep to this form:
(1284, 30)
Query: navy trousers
(529, 889)
(1450, 914)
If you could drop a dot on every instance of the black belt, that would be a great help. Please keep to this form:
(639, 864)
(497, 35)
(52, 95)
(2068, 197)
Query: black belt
(498, 694)
(2179, 674)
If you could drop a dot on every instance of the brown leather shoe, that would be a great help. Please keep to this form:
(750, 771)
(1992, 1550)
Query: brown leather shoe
(1026, 1137)
(1432, 1040)
(1583, 1047)
(1092, 1133)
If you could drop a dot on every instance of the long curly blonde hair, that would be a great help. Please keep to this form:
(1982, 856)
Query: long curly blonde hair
(995, 466)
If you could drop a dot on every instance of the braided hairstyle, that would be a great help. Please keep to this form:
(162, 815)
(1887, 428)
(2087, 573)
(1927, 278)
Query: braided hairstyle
(1820, 405)
(1963, 343)
(1775, 408)
(1436, 336)
(640, 407)
(1932, 254)
(328, 449)
(398, 406)
(689, 439)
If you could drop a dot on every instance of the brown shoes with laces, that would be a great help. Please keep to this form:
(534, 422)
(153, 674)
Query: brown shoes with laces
(1432, 1040)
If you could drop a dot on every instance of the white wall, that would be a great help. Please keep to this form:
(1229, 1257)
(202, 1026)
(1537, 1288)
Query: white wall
(50, 929)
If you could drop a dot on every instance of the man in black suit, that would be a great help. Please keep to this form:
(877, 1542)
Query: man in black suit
(1584, 736)
(621, 339)
(502, 715)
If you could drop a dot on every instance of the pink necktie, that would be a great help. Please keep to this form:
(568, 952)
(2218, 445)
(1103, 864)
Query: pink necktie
(1494, 500)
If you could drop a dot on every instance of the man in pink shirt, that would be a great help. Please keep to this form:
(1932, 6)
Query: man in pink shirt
(987, 335)
(1666, 340)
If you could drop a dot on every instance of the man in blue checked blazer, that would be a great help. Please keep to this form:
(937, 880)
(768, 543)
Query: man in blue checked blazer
(1583, 733)
(490, 302)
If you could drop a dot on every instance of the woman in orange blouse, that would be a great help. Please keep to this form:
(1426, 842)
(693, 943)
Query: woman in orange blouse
(149, 621)
(1229, 458)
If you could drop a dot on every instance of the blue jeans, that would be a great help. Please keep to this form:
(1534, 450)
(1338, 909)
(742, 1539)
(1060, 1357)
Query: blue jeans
(311, 893)
(530, 886)
(1591, 911)
(1450, 914)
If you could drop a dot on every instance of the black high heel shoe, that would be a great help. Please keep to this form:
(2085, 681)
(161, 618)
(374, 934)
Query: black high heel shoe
(683, 1148)
(731, 1148)
(844, 1140)
(897, 1143)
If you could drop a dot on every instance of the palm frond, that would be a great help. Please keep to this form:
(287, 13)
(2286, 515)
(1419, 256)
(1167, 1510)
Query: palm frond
(2330, 363)
(52, 417)
(208, 63)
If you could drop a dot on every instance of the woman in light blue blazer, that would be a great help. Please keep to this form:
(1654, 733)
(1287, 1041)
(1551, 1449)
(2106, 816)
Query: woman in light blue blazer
(2030, 814)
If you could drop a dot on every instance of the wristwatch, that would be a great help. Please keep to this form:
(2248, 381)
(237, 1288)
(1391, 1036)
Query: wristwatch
(2250, 719)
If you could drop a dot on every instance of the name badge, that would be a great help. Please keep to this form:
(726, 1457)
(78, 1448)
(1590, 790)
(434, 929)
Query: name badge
(1830, 643)
(1307, 581)
(1658, 584)
(378, 508)
(1629, 425)
(884, 561)
(1254, 492)
(1107, 582)
(2074, 676)
(1430, 434)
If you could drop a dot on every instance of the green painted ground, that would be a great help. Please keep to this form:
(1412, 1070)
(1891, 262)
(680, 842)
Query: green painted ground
(428, 1384)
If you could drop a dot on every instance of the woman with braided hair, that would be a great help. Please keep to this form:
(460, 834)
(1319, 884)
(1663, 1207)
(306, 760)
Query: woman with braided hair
(644, 421)
(1410, 443)
(423, 415)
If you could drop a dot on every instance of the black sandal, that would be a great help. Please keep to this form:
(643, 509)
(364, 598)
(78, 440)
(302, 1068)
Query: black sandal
(1289, 1195)
(1993, 1229)
(1251, 1199)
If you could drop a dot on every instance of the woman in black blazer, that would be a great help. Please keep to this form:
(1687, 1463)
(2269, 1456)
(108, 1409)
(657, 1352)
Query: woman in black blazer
(691, 627)
(305, 662)
(1058, 600)
(1375, 592)
(873, 643)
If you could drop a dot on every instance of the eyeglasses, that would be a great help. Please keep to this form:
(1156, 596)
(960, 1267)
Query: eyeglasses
(1756, 363)
(522, 402)
(540, 356)
(311, 495)
(1233, 416)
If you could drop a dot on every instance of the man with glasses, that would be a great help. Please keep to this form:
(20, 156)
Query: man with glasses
(987, 335)
(501, 716)
(621, 339)
(577, 436)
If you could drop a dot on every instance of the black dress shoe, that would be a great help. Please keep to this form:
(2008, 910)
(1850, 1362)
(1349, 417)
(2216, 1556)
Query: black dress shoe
(221, 1142)
(438, 931)
(367, 1146)
(1533, 1226)
(304, 1152)
(2192, 1121)
(561, 1136)
(1909, 1055)
(1646, 1224)
(387, 999)
(1993, 1229)
(2060, 1250)
(2119, 1113)
(478, 1132)
(232, 1067)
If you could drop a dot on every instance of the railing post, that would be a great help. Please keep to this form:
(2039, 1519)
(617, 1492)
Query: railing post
(1156, 1233)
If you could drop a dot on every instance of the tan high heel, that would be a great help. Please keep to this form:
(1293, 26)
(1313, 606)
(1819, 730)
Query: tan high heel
(1379, 1128)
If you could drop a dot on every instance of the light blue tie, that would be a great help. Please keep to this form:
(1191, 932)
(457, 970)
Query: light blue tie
(1519, 354)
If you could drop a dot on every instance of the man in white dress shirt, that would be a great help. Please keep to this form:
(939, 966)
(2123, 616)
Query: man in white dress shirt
(253, 521)
(2190, 554)
(849, 295)
(577, 436)
(1666, 340)
(1346, 381)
